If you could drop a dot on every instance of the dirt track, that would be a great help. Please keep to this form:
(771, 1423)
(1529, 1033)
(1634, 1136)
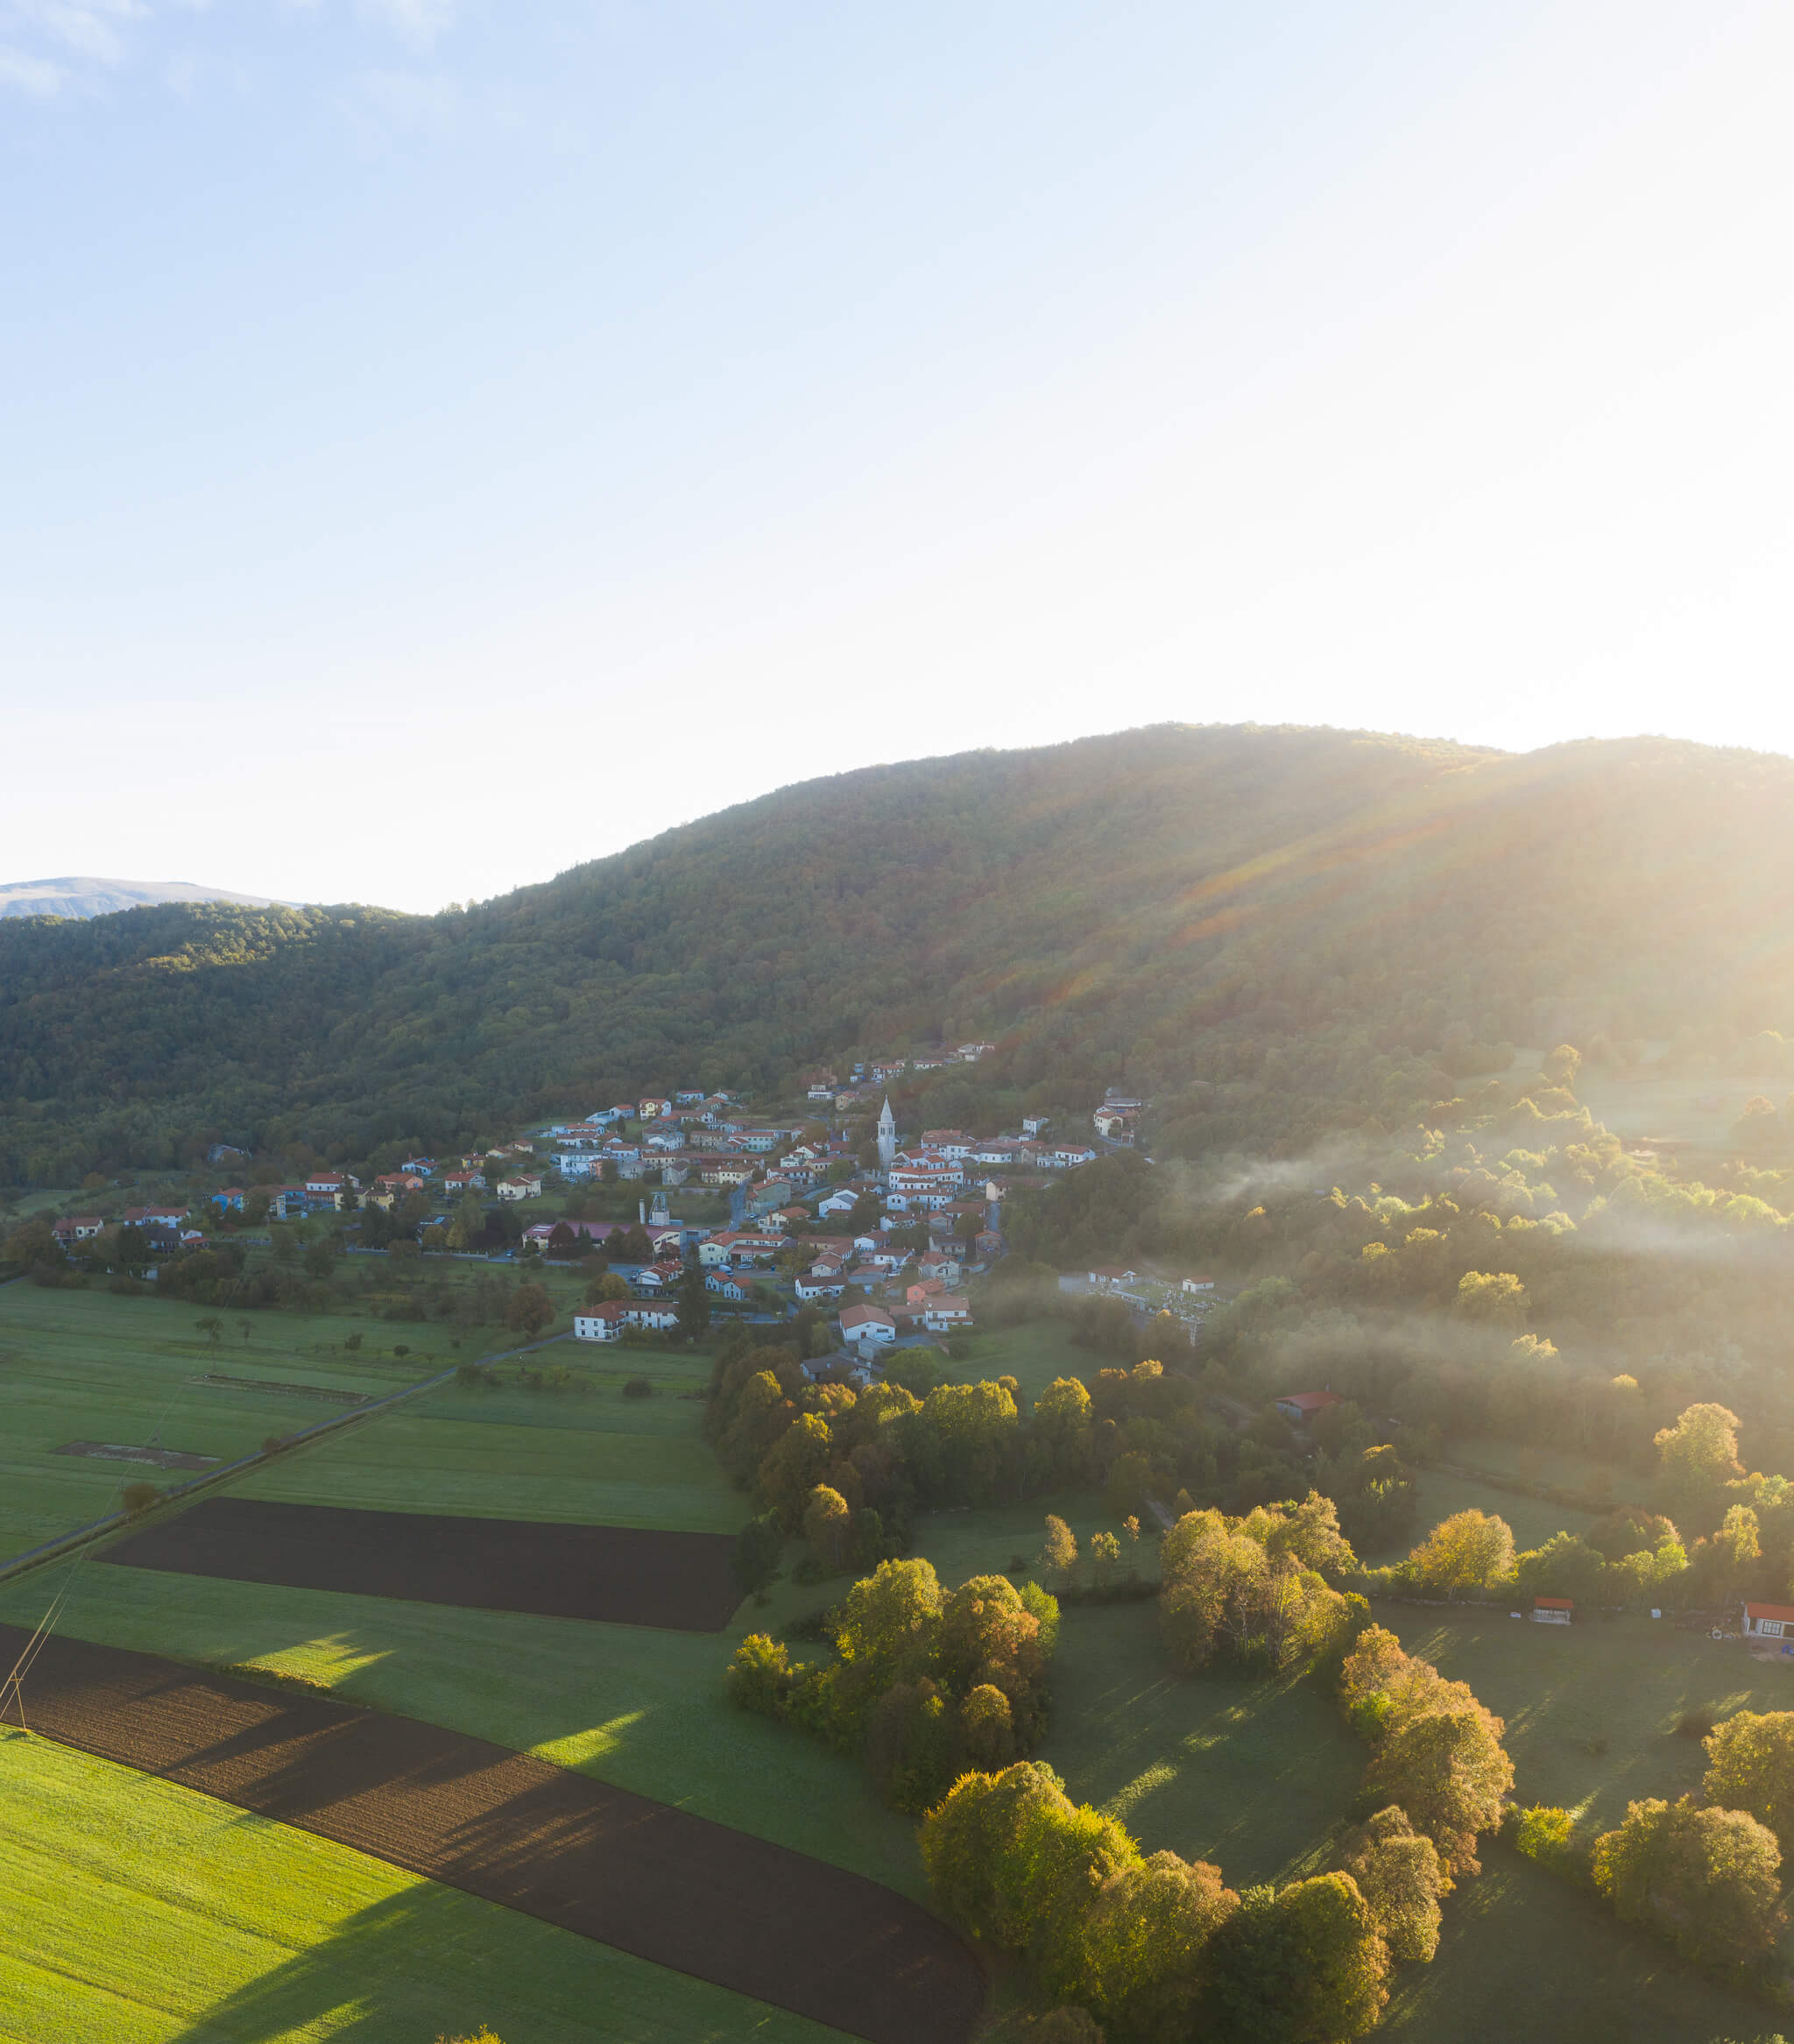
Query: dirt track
(638, 1875)
(626, 1576)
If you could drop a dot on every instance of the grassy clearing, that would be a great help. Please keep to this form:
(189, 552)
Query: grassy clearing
(1567, 1470)
(1440, 1494)
(1251, 1775)
(589, 1457)
(1034, 1353)
(1700, 1111)
(1257, 1776)
(1591, 1710)
(141, 1912)
(86, 1365)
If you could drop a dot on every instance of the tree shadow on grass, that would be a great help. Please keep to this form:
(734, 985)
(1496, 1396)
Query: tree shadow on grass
(428, 1962)
(1523, 1954)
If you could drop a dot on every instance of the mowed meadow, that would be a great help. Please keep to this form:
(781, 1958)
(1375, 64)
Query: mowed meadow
(86, 1365)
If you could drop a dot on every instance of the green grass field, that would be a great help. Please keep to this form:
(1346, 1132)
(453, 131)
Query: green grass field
(1698, 1111)
(1567, 1470)
(1439, 1495)
(643, 1708)
(85, 1366)
(1034, 1353)
(1257, 1776)
(136, 1912)
(589, 1457)
(303, 1939)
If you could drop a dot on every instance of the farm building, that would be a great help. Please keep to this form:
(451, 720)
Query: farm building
(1768, 1621)
(1301, 1406)
(1553, 1610)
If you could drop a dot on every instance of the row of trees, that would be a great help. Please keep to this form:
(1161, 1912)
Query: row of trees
(1631, 1556)
(1434, 1750)
(1159, 1948)
(923, 1683)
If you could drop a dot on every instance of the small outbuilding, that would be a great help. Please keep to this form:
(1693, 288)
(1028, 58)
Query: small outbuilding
(1768, 1621)
(1301, 1406)
(1553, 1610)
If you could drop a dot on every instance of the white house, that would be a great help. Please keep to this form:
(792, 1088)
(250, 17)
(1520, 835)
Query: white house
(603, 1323)
(519, 1188)
(819, 1283)
(1768, 1621)
(863, 1324)
(606, 1322)
(1552, 1610)
(942, 1315)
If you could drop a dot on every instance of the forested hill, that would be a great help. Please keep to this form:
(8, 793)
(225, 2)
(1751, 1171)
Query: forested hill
(1268, 931)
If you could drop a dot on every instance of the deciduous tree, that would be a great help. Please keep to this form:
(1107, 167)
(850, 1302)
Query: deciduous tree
(1708, 1879)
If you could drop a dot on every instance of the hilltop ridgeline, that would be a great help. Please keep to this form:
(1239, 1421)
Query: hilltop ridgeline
(1270, 933)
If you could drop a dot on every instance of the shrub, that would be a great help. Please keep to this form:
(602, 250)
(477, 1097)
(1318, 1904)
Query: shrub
(1694, 1724)
(139, 1496)
(638, 1388)
(759, 1676)
(1547, 1835)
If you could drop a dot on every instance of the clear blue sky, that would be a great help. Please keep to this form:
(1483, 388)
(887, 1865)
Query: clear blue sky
(442, 442)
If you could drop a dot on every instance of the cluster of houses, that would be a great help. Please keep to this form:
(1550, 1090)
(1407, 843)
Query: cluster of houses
(863, 1083)
(692, 1137)
(324, 1191)
(942, 1195)
(164, 1229)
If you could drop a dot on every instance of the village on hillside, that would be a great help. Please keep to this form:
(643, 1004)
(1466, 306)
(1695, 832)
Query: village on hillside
(877, 1234)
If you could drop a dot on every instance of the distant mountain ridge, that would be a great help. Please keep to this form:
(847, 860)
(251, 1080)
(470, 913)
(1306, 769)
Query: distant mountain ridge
(82, 896)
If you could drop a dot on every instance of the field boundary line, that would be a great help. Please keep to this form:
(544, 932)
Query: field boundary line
(68, 1543)
(77, 1537)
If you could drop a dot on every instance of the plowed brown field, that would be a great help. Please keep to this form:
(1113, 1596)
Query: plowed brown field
(650, 1879)
(626, 1574)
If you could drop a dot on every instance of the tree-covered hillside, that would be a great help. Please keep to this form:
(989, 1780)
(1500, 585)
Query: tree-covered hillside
(1270, 932)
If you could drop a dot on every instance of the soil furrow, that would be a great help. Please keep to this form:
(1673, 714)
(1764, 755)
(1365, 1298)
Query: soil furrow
(648, 1878)
(626, 1575)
